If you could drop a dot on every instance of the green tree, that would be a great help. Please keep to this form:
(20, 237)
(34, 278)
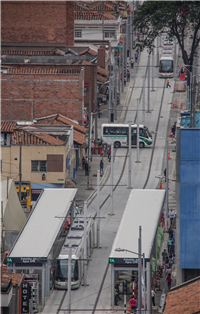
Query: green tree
(179, 19)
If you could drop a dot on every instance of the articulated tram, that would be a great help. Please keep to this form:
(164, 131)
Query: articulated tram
(166, 68)
(75, 238)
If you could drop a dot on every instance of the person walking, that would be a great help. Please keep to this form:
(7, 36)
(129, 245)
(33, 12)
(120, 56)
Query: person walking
(172, 249)
(171, 215)
(153, 297)
(86, 167)
(169, 245)
(164, 255)
(136, 56)
(170, 261)
(83, 162)
(138, 35)
(124, 80)
(165, 174)
(99, 112)
(169, 281)
(101, 167)
(132, 63)
(128, 76)
(133, 303)
(168, 83)
(168, 271)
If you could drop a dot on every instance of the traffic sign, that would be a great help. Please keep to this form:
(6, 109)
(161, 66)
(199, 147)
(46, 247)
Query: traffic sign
(9, 260)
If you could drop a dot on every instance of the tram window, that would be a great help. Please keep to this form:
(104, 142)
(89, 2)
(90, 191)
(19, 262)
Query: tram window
(112, 131)
(105, 130)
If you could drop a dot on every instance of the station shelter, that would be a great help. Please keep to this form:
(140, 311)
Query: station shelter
(142, 211)
(37, 245)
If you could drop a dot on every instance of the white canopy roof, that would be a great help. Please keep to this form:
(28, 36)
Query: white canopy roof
(143, 209)
(42, 228)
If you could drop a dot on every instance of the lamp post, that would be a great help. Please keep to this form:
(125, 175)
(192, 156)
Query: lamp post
(167, 192)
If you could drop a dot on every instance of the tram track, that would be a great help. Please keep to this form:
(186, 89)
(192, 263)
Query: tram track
(116, 185)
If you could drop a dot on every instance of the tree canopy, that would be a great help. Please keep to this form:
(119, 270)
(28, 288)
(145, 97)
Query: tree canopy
(180, 19)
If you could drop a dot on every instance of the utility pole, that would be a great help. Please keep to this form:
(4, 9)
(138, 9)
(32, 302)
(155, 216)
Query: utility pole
(20, 166)
(69, 279)
(103, 19)
(89, 136)
(111, 181)
(109, 104)
(129, 164)
(85, 244)
(98, 209)
(96, 120)
(139, 273)
(148, 107)
(115, 108)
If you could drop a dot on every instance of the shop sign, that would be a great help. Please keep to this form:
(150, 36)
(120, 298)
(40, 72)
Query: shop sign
(25, 298)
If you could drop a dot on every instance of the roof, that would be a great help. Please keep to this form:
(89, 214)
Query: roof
(148, 204)
(43, 223)
(184, 298)
(34, 138)
(35, 70)
(101, 79)
(59, 119)
(16, 278)
(88, 16)
(102, 71)
(79, 137)
(90, 51)
(7, 126)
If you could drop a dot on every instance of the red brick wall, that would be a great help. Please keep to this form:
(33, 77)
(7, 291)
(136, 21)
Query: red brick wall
(37, 22)
(28, 96)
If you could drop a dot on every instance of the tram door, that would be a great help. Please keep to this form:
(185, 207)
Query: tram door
(133, 137)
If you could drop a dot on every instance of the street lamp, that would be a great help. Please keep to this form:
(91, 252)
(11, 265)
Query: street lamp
(167, 192)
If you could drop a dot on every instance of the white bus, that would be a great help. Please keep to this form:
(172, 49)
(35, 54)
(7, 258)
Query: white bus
(119, 133)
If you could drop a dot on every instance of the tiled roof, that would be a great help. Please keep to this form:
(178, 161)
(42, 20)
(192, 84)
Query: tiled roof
(34, 70)
(93, 5)
(27, 52)
(184, 298)
(83, 62)
(90, 51)
(88, 16)
(102, 71)
(79, 137)
(101, 79)
(59, 119)
(7, 126)
(16, 278)
(31, 138)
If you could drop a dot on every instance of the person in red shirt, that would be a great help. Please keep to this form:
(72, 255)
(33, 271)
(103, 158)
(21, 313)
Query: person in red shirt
(133, 303)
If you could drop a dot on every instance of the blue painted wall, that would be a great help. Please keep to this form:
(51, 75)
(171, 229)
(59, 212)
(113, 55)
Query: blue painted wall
(190, 198)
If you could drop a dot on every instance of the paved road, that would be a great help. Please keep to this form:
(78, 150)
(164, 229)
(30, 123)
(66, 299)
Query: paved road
(84, 297)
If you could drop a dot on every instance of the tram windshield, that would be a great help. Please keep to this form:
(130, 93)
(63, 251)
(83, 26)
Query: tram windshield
(166, 66)
(62, 270)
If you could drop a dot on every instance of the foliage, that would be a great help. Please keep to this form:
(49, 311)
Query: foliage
(179, 19)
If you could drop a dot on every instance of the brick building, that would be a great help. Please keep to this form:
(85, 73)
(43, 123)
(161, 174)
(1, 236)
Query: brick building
(34, 91)
(38, 22)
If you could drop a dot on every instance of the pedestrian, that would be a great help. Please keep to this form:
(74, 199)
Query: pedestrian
(169, 245)
(171, 215)
(86, 159)
(168, 83)
(172, 249)
(133, 304)
(165, 174)
(86, 168)
(169, 281)
(138, 35)
(174, 235)
(101, 167)
(136, 56)
(153, 297)
(170, 261)
(168, 271)
(132, 63)
(166, 263)
(99, 112)
(116, 291)
(164, 255)
(170, 232)
(128, 76)
(83, 162)
(109, 155)
(124, 81)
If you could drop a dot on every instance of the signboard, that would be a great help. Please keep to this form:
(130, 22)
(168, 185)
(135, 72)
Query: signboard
(9, 260)
(36, 191)
(25, 298)
(25, 260)
(111, 260)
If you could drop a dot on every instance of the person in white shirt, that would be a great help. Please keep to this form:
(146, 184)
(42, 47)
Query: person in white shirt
(171, 215)
(153, 297)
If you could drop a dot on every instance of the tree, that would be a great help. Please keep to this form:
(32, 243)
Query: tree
(178, 19)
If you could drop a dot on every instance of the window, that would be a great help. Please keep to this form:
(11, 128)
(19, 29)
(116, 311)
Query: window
(38, 166)
(110, 34)
(78, 34)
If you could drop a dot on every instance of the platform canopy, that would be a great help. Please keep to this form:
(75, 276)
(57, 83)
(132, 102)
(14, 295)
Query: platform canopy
(42, 227)
(143, 209)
